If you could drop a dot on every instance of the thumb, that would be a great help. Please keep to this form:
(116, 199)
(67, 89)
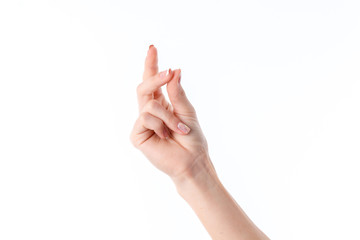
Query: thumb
(177, 96)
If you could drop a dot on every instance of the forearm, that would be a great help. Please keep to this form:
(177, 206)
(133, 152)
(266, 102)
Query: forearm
(183, 154)
(217, 210)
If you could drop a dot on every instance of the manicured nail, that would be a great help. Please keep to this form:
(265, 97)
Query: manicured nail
(179, 76)
(151, 46)
(163, 74)
(183, 128)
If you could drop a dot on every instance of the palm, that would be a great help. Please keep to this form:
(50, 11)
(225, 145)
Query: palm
(177, 153)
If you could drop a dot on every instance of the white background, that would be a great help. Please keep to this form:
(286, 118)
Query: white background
(275, 83)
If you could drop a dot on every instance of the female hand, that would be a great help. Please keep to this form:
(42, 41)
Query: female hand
(159, 132)
(183, 153)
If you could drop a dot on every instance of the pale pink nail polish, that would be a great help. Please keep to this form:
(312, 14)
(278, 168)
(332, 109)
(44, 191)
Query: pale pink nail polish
(183, 128)
(163, 74)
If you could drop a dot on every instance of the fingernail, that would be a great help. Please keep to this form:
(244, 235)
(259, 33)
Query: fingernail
(163, 74)
(179, 76)
(151, 46)
(183, 128)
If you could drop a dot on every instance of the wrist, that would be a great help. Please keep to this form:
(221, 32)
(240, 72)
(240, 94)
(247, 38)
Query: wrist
(201, 177)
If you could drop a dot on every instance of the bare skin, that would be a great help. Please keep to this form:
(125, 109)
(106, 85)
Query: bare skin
(182, 153)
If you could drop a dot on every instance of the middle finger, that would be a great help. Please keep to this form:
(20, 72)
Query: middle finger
(146, 89)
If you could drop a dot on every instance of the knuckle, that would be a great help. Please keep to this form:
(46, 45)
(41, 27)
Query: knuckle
(144, 116)
(153, 68)
(139, 88)
(193, 110)
(180, 94)
(173, 120)
(153, 105)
